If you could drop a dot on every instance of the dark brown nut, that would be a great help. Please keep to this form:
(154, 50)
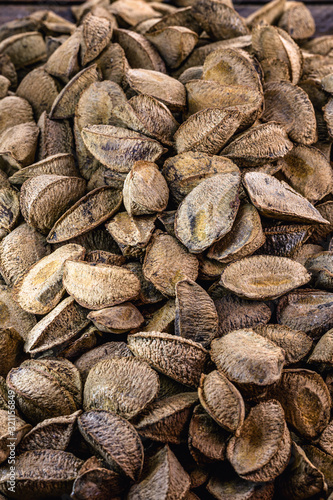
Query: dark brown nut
(133, 13)
(115, 439)
(231, 67)
(41, 287)
(236, 313)
(63, 63)
(46, 388)
(132, 234)
(323, 351)
(96, 34)
(167, 419)
(207, 130)
(196, 316)
(119, 148)
(55, 137)
(109, 350)
(222, 401)
(297, 21)
(113, 64)
(305, 400)
(259, 144)
(202, 94)
(94, 479)
(51, 434)
(267, 454)
(299, 121)
(117, 319)
(9, 208)
(219, 19)
(11, 349)
(186, 170)
(247, 358)
(322, 461)
(55, 474)
(174, 43)
(207, 441)
(18, 145)
(155, 84)
(147, 115)
(80, 277)
(268, 39)
(181, 359)
(286, 240)
(125, 386)
(301, 478)
(60, 326)
(46, 197)
(164, 478)
(238, 488)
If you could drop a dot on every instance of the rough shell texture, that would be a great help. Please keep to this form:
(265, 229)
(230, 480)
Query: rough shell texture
(121, 385)
(181, 359)
(167, 262)
(115, 440)
(208, 212)
(222, 401)
(264, 276)
(80, 277)
(247, 358)
(262, 449)
(196, 316)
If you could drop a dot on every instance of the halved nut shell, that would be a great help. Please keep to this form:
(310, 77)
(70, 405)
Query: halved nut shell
(264, 276)
(86, 214)
(262, 450)
(181, 359)
(115, 440)
(278, 200)
(167, 419)
(112, 285)
(208, 211)
(247, 358)
(167, 262)
(222, 401)
(46, 197)
(305, 399)
(124, 386)
(41, 288)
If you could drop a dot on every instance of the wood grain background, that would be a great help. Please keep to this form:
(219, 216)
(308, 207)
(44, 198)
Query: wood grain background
(322, 10)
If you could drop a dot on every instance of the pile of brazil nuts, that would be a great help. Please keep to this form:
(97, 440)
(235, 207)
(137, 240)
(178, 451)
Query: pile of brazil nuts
(166, 253)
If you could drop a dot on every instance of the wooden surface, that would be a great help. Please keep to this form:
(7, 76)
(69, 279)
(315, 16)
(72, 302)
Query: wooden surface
(322, 10)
